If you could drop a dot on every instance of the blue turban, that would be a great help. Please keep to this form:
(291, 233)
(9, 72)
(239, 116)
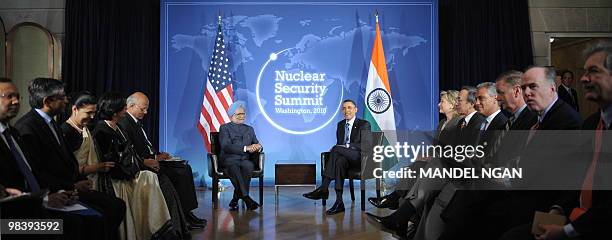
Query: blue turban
(232, 109)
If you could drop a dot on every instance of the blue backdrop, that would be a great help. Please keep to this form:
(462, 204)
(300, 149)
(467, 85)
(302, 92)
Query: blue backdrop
(276, 52)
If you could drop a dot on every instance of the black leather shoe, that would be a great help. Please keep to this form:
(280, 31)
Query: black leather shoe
(387, 224)
(233, 205)
(336, 208)
(388, 201)
(250, 203)
(192, 217)
(317, 194)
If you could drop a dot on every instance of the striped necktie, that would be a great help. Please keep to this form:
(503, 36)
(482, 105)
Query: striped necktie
(347, 132)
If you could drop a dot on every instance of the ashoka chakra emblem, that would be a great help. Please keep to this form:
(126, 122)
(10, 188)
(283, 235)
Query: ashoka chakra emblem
(378, 100)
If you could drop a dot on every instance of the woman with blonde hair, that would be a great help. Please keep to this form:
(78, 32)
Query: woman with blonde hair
(448, 107)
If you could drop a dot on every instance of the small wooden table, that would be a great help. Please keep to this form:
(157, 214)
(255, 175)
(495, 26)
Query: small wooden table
(294, 173)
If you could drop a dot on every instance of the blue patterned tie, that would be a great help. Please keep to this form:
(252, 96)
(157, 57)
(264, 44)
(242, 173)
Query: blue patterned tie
(25, 170)
(347, 134)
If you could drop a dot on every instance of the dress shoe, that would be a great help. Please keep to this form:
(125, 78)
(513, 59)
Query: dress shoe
(388, 201)
(338, 207)
(250, 203)
(317, 194)
(233, 205)
(195, 218)
(388, 224)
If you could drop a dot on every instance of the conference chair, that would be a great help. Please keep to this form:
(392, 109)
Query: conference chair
(216, 173)
(363, 173)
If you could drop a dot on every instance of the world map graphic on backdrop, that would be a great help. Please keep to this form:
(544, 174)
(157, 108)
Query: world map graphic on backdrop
(293, 63)
(310, 54)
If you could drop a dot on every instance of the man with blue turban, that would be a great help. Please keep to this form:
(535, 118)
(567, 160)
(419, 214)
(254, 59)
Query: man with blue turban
(238, 141)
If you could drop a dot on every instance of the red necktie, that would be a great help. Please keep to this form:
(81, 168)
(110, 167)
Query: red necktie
(532, 132)
(586, 194)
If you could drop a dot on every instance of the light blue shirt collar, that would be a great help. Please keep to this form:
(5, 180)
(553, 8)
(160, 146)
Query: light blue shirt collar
(44, 115)
(519, 111)
(540, 118)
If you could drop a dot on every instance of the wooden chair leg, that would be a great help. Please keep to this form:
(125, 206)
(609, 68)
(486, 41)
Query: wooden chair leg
(215, 191)
(352, 190)
(261, 191)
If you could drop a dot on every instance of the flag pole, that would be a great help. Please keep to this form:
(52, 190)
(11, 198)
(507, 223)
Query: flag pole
(376, 14)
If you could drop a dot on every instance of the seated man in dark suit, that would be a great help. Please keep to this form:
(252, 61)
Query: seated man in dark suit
(179, 173)
(344, 155)
(237, 142)
(55, 166)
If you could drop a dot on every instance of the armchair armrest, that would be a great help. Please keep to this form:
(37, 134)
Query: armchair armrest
(213, 165)
(324, 158)
(259, 160)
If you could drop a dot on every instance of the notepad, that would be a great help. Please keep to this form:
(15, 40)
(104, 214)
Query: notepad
(546, 219)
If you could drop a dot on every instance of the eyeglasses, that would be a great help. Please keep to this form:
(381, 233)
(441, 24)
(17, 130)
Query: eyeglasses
(10, 95)
(240, 114)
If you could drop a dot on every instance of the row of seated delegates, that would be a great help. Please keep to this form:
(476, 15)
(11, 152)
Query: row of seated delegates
(176, 173)
(147, 215)
(35, 159)
(589, 211)
(531, 102)
(443, 136)
(344, 155)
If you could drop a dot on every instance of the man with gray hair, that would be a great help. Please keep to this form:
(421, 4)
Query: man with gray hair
(510, 97)
(179, 173)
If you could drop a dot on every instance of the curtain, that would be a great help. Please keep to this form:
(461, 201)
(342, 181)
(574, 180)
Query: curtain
(113, 45)
(480, 39)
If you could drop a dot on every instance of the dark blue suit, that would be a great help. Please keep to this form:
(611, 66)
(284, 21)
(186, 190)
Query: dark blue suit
(235, 160)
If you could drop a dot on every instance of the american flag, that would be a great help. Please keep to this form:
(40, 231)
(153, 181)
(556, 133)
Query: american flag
(218, 95)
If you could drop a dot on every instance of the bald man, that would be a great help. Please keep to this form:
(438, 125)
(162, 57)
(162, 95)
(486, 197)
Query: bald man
(180, 173)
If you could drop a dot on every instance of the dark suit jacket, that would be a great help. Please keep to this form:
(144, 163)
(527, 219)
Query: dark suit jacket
(546, 154)
(55, 165)
(232, 139)
(525, 120)
(567, 97)
(595, 221)
(445, 135)
(469, 135)
(497, 123)
(359, 125)
(135, 134)
(10, 175)
(514, 140)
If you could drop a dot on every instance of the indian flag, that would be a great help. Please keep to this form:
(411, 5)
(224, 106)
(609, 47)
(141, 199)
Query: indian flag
(378, 101)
